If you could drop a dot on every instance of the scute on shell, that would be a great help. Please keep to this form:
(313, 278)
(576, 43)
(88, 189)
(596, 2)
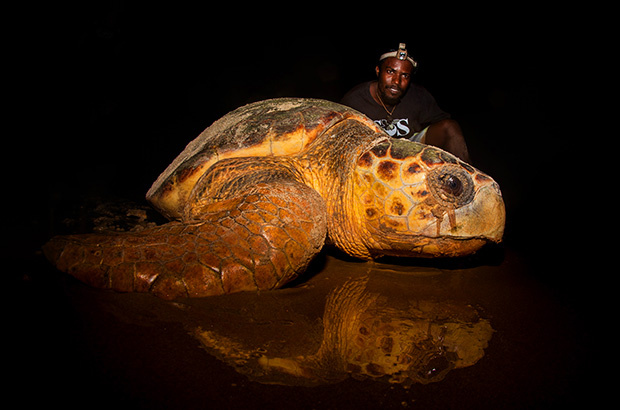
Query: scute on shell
(278, 127)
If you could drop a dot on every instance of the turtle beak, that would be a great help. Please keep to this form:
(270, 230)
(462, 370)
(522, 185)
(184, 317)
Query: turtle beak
(463, 206)
(484, 217)
(464, 230)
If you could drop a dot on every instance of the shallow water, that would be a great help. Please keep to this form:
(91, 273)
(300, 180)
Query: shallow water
(79, 346)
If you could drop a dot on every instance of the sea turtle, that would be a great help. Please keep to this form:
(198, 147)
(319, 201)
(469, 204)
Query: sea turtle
(256, 195)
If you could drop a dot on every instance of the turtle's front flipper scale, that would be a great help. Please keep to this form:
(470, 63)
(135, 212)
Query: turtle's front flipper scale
(255, 241)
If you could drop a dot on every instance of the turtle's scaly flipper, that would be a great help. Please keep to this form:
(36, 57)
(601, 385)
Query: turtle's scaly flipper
(257, 241)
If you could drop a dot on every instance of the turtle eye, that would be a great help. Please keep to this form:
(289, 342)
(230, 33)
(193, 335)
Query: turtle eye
(435, 367)
(451, 185)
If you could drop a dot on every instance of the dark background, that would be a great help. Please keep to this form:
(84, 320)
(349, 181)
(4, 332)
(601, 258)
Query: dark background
(114, 90)
(107, 93)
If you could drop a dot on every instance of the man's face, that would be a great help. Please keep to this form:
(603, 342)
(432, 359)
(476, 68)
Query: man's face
(394, 76)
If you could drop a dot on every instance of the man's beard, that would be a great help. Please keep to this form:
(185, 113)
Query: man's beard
(389, 97)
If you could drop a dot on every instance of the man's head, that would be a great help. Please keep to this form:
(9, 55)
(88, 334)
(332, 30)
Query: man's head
(394, 72)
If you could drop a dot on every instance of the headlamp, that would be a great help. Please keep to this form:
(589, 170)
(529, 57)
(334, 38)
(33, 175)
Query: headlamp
(401, 54)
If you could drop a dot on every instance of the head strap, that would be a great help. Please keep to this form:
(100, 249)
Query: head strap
(401, 54)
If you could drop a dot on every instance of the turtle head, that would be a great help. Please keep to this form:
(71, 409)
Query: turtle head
(412, 199)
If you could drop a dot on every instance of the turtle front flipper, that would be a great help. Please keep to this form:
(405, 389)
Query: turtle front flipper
(256, 241)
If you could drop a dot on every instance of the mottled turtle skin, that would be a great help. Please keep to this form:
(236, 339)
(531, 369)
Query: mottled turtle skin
(256, 195)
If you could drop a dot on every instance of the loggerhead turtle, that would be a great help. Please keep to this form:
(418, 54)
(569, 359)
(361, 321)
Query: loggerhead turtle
(255, 196)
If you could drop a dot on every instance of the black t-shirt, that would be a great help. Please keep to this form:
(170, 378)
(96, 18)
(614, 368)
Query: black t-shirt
(416, 110)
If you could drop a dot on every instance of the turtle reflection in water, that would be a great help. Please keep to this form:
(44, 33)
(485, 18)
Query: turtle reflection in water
(366, 336)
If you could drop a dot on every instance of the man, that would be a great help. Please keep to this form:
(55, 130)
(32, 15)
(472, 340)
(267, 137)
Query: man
(404, 109)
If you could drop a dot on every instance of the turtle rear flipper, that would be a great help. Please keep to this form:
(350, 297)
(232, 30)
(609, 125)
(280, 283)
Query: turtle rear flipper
(259, 240)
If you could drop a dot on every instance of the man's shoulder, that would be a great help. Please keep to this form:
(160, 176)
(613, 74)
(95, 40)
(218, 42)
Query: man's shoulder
(421, 102)
(416, 92)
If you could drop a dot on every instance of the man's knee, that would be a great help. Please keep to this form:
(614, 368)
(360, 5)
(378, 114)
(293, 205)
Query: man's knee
(448, 127)
(447, 134)
(441, 132)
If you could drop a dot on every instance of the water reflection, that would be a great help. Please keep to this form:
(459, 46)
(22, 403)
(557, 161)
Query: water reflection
(367, 334)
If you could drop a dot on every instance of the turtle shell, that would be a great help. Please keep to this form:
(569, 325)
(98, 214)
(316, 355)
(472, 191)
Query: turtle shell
(277, 127)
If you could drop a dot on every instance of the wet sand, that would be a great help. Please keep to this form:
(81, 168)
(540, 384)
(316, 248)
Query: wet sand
(80, 347)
